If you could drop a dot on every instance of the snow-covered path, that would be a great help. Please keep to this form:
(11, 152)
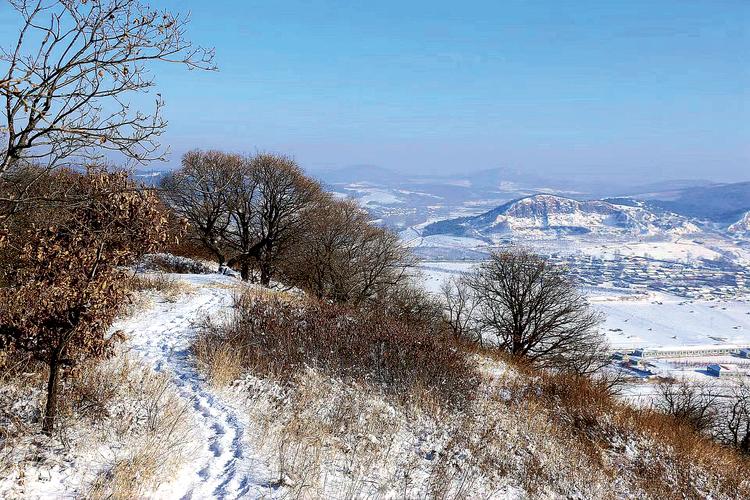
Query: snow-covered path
(221, 467)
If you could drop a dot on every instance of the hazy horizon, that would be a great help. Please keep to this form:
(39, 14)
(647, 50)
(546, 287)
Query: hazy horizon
(634, 91)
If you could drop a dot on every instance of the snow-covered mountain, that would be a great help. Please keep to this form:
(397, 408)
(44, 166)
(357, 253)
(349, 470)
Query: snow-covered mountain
(552, 216)
(742, 226)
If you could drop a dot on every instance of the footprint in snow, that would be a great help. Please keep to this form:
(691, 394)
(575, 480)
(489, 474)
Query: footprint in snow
(216, 448)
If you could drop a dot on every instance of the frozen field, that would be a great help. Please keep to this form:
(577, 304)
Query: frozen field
(661, 320)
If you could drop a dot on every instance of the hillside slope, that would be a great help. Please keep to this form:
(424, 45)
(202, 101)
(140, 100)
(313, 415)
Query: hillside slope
(217, 462)
(523, 434)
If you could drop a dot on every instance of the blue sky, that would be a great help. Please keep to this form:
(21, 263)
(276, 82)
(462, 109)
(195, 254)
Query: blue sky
(636, 90)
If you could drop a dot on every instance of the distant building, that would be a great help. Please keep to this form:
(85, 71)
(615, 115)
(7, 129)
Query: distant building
(723, 370)
(714, 370)
(745, 353)
(690, 351)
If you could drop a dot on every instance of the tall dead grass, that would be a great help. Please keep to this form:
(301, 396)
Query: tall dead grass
(169, 288)
(331, 431)
(276, 337)
(150, 421)
(120, 412)
(669, 458)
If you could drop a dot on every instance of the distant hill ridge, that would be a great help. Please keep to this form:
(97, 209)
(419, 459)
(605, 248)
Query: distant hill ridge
(558, 215)
(742, 226)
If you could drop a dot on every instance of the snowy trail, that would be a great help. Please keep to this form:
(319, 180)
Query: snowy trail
(222, 468)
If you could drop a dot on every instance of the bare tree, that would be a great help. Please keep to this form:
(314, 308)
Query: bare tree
(284, 194)
(70, 71)
(411, 304)
(200, 192)
(691, 403)
(734, 418)
(460, 308)
(245, 210)
(242, 235)
(340, 256)
(533, 309)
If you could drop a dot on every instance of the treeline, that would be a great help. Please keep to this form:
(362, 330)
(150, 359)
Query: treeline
(262, 216)
(66, 247)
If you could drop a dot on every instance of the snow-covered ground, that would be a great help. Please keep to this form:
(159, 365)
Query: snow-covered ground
(219, 462)
(662, 320)
(222, 467)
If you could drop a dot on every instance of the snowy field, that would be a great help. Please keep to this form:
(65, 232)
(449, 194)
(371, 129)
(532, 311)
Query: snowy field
(662, 320)
(677, 250)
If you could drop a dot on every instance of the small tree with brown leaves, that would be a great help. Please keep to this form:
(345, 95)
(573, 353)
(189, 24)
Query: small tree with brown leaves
(67, 283)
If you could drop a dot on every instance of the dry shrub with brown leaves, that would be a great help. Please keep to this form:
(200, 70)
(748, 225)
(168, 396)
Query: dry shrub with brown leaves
(269, 335)
(66, 283)
(668, 458)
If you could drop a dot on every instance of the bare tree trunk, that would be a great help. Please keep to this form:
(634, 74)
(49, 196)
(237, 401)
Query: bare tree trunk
(50, 411)
(245, 271)
(265, 273)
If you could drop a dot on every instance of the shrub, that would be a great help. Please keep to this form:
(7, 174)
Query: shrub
(66, 282)
(169, 263)
(667, 457)
(279, 339)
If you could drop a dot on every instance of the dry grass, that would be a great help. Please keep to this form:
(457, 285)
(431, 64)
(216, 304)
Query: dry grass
(153, 427)
(169, 288)
(669, 458)
(330, 439)
(220, 361)
(524, 433)
(520, 436)
(120, 413)
(271, 336)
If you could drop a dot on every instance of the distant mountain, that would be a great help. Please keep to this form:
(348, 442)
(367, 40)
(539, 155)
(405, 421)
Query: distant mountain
(503, 178)
(742, 226)
(150, 176)
(544, 215)
(721, 203)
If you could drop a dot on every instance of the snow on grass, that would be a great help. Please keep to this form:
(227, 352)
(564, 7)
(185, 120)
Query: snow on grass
(217, 462)
(222, 466)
